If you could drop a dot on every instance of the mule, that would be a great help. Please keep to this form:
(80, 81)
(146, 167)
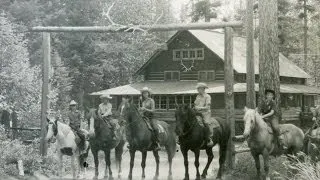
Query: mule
(67, 145)
(192, 136)
(140, 138)
(101, 139)
(261, 139)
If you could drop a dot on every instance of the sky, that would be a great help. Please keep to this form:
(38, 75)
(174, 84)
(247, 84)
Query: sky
(226, 10)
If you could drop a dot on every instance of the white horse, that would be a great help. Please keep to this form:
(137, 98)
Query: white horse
(66, 145)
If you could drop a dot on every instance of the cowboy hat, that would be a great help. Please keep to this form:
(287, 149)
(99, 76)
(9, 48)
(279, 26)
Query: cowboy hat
(105, 96)
(202, 85)
(73, 103)
(145, 89)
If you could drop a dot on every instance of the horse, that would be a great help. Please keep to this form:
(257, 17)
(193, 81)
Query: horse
(66, 145)
(261, 139)
(100, 138)
(140, 138)
(192, 136)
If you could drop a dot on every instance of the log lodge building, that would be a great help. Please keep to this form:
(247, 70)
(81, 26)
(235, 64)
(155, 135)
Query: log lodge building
(197, 56)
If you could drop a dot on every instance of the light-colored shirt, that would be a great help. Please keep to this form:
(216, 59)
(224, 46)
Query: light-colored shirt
(149, 104)
(105, 109)
(203, 101)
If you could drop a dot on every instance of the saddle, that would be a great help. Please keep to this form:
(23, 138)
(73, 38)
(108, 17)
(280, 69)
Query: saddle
(160, 128)
(212, 124)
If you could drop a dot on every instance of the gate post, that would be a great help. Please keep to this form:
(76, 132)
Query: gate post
(45, 91)
(229, 95)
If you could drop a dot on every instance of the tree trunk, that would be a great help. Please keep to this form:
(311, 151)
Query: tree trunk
(305, 34)
(269, 50)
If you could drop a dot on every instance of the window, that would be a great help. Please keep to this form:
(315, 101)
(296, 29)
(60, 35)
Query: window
(185, 54)
(188, 54)
(206, 76)
(177, 54)
(171, 75)
(199, 53)
(192, 54)
(172, 102)
(163, 102)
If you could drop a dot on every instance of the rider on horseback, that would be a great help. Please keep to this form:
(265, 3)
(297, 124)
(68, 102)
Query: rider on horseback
(202, 105)
(105, 113)
(147, 109)
(75, 123)
(269, 114)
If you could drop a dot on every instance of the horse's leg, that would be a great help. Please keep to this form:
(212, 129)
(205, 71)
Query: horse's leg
(157, 157)
(143, 163)
(132, 155)
(222, 158)
(210, 158)
(186, 163)
(196, 162)
(257, 162)
(266, 164)
(96, 163)
(170, 151)
(108, 164)
(118, 154)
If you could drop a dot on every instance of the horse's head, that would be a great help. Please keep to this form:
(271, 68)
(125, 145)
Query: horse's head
(93, 121)
(128, 109)
(52, 128)
(249, 119)
(183, 114)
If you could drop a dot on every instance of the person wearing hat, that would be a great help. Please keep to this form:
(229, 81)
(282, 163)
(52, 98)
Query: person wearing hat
(105, 112)
(203, 106)
(269, 113)
(74, 116)
(147, 109)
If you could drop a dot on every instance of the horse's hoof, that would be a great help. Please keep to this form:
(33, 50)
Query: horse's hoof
(186, 178)
(130, 177)
(203, 176)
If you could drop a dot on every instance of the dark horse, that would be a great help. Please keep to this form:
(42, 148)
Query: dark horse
(192, 137)
(101, 139)
(140, 138)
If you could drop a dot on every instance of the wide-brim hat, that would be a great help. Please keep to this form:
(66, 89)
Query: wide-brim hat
(145, 89)
(105, 96)
(202, 85)
(72, 103)
(269, 91)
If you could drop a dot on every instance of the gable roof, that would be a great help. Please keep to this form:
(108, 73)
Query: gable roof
(215, 42)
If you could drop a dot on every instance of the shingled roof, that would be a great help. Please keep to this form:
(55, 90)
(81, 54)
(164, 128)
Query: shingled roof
(214, 41)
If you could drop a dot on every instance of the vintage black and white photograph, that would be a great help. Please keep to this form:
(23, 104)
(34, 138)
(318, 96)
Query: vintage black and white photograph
(159, 89)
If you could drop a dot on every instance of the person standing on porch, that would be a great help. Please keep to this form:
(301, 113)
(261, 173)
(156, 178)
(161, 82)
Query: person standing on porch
(203, 106)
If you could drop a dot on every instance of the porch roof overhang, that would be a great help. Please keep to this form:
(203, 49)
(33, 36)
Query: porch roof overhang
(242, 88)
(188, 87)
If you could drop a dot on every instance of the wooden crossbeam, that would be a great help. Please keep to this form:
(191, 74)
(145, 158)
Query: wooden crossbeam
(149, 28)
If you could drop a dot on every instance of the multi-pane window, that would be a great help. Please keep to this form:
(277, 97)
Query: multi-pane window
(199, 53)
(171, 75)
(169, 102)
(206, 76)
(188, 54)
(192, 54)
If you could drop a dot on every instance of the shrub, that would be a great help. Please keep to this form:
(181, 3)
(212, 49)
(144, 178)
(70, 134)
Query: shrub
(245, 168)
(303, 170)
